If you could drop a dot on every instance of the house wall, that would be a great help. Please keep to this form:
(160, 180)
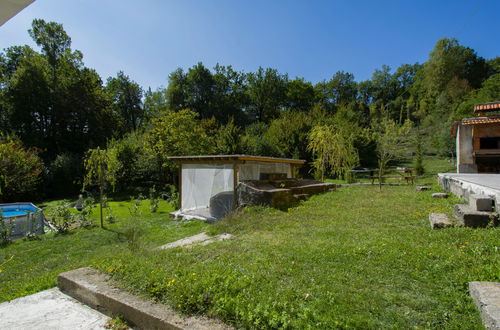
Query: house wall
(465, 158)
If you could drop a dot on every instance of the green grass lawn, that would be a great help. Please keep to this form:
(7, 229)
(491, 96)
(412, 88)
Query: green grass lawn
(30, 266)
(358, 257)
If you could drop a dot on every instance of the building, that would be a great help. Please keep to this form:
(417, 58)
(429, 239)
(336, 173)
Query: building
(478, 140)
(203, 177)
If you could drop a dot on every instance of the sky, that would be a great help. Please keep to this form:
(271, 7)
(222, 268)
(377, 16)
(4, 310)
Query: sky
(313, 39)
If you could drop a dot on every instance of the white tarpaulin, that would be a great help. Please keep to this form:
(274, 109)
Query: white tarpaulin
(200, 182)
(252, 170)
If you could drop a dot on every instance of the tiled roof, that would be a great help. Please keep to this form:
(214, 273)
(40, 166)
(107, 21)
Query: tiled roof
(480, 120)
(485, 107)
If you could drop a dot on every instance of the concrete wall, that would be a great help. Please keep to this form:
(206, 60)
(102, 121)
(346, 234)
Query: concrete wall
(465, 159)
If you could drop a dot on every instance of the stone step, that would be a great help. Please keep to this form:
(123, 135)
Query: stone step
(440, 195)
(486, 295)
(439, 220)
(469, 217)
(481, 202)
(95, 290)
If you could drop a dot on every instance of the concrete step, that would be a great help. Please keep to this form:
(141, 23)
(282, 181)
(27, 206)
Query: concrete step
(486, 295)
(95, 290)
(481, 202)
(469, 217)
(439, 220)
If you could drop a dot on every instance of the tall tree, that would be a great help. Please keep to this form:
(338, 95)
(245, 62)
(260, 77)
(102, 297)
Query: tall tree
(267, 93)
(126, 101)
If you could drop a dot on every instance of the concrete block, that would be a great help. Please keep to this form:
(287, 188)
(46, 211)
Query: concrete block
(472, 218)
(95, 290)
(439, 220)
(481, 202)
(440, 195)
(486, 295)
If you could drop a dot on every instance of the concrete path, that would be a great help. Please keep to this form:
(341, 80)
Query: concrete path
(49, 310)
(199, 239)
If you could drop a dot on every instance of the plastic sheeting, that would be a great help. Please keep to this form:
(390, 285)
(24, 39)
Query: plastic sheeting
(252, 170)
(200, 182)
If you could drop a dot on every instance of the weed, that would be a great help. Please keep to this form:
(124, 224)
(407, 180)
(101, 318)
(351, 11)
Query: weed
(154, 200)
(117, 323)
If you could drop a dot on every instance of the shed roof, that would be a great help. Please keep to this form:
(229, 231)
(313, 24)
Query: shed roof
(233, 158)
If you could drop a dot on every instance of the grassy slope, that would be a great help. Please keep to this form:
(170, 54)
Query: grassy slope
(357, 257)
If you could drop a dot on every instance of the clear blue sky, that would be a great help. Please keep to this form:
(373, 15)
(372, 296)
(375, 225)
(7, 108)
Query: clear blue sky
(148, 39)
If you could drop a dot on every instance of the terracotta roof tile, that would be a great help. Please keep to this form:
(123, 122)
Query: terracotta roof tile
(480, 120)
(485, 107)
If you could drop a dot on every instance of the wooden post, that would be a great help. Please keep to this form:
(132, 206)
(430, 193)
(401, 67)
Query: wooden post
(180, 186)
(235, 183)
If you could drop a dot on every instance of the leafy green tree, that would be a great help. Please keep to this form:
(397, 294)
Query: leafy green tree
(228, 139)
(340, 90)
(333, 149)
(392, 142)
(267, 90)
(449, 60)
(20, 170)
(126, 101)
(300, 95)
(101, 166)
(178, 134)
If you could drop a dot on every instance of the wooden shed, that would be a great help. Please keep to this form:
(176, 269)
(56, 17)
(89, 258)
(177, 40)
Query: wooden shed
(203, 177)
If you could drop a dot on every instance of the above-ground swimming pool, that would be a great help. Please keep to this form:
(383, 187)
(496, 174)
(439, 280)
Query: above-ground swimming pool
(22, 218)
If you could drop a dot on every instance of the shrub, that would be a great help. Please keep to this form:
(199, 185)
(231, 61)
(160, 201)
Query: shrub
(20, 170)
(64, 174)
(61, 217)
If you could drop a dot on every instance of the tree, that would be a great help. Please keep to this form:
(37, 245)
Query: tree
(392, 140)
(267, 94)
(126, 101)
(178, 134)
(334, 150)
(101, 166)
(300, 95)
(20, 170)
(450, 60)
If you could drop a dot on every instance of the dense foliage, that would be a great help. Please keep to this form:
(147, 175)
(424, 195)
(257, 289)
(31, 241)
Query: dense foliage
(51, 101)
(20, 170)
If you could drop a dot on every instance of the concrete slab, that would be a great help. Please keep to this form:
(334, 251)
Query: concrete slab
(439, 220)
(465, 184)
(49, 309)
(486, 295)
(199, 239)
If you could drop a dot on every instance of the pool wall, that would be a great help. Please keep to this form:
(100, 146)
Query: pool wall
(23, 224)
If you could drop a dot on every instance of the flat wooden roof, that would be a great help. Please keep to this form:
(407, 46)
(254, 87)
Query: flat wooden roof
(232, 159)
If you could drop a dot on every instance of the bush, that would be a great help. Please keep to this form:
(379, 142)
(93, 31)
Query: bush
(20, 170)
(64, 175)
